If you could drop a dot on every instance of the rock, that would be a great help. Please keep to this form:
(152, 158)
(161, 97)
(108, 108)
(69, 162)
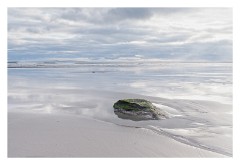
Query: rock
(137, 109)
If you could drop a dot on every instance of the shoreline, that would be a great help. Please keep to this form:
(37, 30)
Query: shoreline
(193, 125)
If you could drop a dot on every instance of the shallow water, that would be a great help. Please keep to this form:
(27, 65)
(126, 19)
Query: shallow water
(197, 97)
(209, 81)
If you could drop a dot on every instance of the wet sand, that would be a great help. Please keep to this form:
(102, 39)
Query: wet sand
(42, 135)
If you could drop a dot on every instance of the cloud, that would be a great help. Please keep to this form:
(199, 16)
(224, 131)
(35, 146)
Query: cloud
(164, 33)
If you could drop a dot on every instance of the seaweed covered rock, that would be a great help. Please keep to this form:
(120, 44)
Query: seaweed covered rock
(137, 109)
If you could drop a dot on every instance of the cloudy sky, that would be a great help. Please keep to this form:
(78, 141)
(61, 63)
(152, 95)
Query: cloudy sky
(189, 34)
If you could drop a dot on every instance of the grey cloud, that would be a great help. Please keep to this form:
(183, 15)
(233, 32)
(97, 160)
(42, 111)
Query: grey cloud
(129, 13)
(114, 15)
(116, 32)
(105, 14)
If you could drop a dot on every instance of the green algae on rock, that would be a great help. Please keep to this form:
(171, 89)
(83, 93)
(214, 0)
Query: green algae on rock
(137, 109)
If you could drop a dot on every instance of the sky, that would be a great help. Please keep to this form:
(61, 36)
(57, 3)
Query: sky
(175, 34)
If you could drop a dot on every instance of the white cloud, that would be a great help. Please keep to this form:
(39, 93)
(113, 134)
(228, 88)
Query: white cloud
(168, 33)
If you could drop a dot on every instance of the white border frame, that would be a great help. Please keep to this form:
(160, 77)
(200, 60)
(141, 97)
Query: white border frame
(4, 4)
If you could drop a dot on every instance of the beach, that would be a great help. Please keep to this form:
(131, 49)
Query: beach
(34, 135)
(68, 111)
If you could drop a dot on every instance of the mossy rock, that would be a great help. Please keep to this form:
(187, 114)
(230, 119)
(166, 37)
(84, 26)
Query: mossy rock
(137, 109)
